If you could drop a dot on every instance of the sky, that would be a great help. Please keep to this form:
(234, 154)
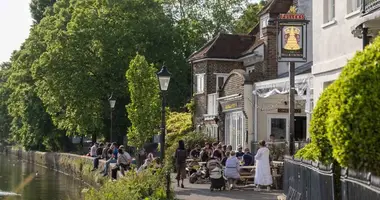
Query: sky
(15, 22)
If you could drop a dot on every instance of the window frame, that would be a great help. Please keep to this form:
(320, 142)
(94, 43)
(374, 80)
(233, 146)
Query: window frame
(200, 83)
(329, 11)
(353, 6)
(220, 75)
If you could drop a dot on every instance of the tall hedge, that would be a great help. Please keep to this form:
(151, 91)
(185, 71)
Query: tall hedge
(320, 148)
(353, 124)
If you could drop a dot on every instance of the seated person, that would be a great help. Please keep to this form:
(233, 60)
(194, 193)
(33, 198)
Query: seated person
(225, 158)
(248, 158)
(123, 161)
(195, 153)
(147, 162)
(239, 153)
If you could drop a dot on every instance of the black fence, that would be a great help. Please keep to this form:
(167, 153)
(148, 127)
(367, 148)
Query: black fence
(305, 180)
(359, 185)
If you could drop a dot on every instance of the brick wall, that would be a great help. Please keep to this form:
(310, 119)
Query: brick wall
(234, 85)
(209, 68)
(219, 67)
(269, 67)
(199, 99)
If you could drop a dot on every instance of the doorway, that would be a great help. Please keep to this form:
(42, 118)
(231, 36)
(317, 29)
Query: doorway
(300, 128)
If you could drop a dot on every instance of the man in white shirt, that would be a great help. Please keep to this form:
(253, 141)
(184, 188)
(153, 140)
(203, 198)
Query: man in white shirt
(93, 150)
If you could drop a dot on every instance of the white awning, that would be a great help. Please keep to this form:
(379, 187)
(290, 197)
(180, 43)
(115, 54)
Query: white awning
(272, 87)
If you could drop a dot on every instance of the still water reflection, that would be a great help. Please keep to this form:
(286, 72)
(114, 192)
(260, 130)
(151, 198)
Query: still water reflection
(45, 185)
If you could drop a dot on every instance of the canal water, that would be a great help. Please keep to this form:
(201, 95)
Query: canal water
(34, 182)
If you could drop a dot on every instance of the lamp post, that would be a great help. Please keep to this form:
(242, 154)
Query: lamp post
(163, 79)
(112, 102)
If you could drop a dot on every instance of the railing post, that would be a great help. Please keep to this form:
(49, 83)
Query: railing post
(363, 6)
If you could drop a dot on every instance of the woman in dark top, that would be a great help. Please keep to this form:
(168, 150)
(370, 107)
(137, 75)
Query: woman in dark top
(180, 158)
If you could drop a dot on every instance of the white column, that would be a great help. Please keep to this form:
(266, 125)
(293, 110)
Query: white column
(248, 109)
(256, 106)
(308, 107)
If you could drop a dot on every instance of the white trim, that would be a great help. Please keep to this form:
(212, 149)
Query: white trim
(202, 82)
(227, 97)
(256, 120)
(252, 54)
(215, 59)
(352, 14)
(270, 83)
(224, 76)
(277, 116)
(328, 24)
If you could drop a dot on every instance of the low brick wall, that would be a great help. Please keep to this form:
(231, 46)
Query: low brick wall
(71, 164)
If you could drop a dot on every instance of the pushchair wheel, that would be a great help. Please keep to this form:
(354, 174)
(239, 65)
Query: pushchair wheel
(211, 189)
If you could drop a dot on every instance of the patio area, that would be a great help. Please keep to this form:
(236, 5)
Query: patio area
(202, 192)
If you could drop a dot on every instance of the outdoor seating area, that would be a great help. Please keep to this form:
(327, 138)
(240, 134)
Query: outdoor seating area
(247, 173)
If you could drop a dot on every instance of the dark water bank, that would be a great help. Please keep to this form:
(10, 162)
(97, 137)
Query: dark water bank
(36, 182)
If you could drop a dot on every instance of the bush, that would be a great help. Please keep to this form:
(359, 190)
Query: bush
(144, 185)
(177, 124)
(353, 126)
(190, 139)
(320, 148)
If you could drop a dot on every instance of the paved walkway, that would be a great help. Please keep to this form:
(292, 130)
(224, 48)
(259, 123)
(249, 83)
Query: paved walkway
(202, 192)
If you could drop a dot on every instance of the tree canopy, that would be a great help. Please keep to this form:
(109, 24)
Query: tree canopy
(78, 53)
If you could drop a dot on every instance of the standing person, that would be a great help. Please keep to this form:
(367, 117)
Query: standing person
(180, 158)
(263, 175)
(231, 172)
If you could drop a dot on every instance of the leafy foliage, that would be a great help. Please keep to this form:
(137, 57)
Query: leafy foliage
(38, 7)
(144, 108)
(354, 106)
(178, 124)
(249, 19)
(144, 185)
(320, 148)
(191, 140)
(5, 119)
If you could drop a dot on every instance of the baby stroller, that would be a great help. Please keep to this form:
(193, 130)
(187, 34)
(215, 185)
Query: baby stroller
(217, 179)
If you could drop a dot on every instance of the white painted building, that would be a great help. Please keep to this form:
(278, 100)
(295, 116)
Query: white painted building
(338, 34)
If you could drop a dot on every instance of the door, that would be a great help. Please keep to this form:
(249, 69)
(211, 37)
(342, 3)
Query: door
(300, 128)
(278, 126)
(234, 132)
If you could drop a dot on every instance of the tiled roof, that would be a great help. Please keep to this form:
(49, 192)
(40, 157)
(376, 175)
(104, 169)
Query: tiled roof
(228, 46)
(303, 69)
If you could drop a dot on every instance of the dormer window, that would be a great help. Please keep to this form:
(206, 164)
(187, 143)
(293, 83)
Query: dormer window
(263, 23)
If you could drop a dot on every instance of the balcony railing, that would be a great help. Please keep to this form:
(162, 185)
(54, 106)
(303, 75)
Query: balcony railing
(368, 6)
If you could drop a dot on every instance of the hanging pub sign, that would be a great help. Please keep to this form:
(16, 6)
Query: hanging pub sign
(292, 38)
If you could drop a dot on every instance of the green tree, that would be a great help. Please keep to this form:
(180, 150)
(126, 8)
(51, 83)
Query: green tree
(249, 19)
(144, 108)
(38, 7)
(5, 118)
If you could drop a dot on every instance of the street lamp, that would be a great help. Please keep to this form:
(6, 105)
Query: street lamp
(163, 79)
(112, 102)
